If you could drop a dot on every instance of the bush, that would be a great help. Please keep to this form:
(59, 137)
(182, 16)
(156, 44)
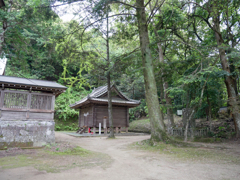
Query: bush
(62, 108)
(138, 112)
(66, 126)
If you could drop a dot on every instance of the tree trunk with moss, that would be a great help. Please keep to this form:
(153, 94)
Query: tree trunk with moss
(165, 86)
(158, 132)
(110, 117)
(229, 79)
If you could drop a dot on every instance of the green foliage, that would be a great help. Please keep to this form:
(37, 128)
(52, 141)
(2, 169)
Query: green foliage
(222, 133)
(62, 108)
(66, 126)
(28, 41)
(138, 112)
(142, 125)
(39, 46)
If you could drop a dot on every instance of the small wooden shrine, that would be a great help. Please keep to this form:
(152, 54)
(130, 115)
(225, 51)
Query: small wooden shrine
(94, 108)
(27, 111)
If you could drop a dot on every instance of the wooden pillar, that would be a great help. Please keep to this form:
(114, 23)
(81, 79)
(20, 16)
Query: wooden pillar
(52, 105)
(127, 120)
(2, 99)
(127, 116)
(79, 118)
(94, 115)
(29, 99)
(105, 124)
(94, 130)
(116, 130)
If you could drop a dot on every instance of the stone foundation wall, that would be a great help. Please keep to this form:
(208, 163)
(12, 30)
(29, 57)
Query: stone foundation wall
(28, 133)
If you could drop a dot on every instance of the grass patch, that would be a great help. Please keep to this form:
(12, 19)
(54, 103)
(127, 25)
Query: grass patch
(140, 126)
(55, 158)
(188, 153)
(17, 161)
(207, 140)
(70, 151)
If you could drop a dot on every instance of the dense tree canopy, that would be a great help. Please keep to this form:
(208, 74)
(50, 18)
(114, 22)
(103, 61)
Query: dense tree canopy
(184, 53)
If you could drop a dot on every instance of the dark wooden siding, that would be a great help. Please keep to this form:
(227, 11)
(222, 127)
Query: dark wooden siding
(86, 115)
(119, 116)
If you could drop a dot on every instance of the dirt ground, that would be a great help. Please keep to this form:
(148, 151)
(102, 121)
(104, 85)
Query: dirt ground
(129, 163)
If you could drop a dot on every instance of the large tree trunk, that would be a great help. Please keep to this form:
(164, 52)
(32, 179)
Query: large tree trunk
(165, 86)
(164, 83)
(161, 95)
(157, 126)
(229, 80)
(110, 117)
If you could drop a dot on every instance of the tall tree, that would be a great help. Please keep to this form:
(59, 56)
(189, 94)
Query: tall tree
(222, 20)
(157, 125)
(164, 74)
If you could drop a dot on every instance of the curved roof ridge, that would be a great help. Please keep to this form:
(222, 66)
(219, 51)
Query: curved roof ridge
(96, 94)
(99, 91)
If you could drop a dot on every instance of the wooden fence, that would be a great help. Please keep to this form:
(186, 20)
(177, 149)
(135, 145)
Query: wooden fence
(197, 132)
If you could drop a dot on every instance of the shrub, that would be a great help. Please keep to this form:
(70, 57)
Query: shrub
(62, 108)
(139, 111)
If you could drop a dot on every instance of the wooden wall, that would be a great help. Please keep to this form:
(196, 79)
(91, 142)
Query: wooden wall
(86, 116)
(24, 105)
(26, 118)
(96, 113)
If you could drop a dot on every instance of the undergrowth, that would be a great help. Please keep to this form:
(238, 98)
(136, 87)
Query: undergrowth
(187, 151)
(54, 159)
(140, 126)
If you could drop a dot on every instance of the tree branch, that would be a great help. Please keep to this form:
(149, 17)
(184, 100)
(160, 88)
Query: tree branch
(116, 1)
(154, 9)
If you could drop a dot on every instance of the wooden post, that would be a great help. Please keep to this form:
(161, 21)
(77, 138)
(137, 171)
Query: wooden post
(127, 116)
(105, 124)
(116, 130)
(79, 118)
(100, 128)
(126, 129)
(29, 99)
(52, 105)
(94, 130)
(2, 99)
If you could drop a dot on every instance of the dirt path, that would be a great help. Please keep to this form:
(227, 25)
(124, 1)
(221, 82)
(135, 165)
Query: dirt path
(127, 164)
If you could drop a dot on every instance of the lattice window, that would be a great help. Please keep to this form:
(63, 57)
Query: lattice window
(41, 102)
(15, 100)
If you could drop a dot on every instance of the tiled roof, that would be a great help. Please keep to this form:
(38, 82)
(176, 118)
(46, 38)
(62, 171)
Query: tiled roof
(98, 95)
(30, 82)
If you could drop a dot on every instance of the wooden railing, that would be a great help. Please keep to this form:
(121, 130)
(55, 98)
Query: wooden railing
(195, 132)
(26, 101)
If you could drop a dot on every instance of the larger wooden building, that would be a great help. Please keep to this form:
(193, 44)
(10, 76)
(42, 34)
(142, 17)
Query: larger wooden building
(94, 108)
(27, 111)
